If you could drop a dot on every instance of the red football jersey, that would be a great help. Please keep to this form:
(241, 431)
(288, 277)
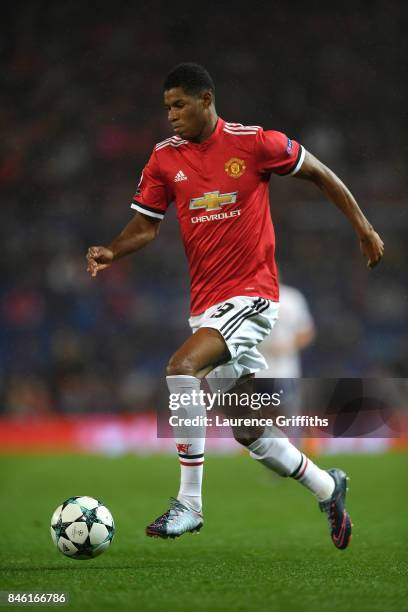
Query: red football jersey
(220, 189)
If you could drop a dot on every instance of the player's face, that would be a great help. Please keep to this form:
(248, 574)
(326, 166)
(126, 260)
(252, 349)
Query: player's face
(187, 114)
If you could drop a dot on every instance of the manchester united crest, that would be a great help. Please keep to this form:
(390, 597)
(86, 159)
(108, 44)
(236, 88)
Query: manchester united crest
(235, 167)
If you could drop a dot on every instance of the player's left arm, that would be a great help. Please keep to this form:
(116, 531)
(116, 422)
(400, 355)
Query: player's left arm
(336, 191)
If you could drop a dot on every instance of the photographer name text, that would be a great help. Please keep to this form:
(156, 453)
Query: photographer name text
(220, 421)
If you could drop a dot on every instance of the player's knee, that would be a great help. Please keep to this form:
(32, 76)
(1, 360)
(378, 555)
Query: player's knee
(245, 439)
(181, 366)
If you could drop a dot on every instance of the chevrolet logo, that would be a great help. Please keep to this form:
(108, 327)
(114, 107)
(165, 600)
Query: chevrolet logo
(213, 200)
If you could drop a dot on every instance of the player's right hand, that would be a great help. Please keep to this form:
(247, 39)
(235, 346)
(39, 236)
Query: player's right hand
(98, 258)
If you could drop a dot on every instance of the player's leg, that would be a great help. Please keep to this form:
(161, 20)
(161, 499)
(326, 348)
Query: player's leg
(199, 354)
(271, 447)
(196, 357)
(329, 486)
(203, 351)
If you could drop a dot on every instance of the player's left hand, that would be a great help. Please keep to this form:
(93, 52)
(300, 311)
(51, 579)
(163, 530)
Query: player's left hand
(372, 247)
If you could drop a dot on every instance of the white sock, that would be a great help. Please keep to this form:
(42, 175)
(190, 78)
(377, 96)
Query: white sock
(190, 448)
(274, 450)
(318, 481)
(281, 456)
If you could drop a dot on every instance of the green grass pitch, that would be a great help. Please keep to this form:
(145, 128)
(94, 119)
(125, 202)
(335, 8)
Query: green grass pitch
(264, 546)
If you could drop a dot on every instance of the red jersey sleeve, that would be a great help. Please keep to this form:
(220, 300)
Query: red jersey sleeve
(151, 197)
(277, 153)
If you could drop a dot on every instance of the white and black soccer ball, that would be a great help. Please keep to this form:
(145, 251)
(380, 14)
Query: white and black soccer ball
(82, 527)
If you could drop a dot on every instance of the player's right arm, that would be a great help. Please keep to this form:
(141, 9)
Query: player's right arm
(138, 232)
(150, 201)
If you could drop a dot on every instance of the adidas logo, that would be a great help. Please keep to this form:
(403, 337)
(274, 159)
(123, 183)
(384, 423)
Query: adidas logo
(180, 176)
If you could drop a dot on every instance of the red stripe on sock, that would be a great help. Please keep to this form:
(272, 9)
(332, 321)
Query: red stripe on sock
(191, 464)
(303, 471)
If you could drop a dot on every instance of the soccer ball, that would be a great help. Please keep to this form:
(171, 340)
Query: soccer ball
(82, 527)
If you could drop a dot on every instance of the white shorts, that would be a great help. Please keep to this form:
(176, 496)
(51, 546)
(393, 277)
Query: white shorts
(243, 323)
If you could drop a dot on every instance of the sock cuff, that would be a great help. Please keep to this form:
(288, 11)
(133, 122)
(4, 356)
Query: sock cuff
(189, 459)
(301, 468)
(192, 460)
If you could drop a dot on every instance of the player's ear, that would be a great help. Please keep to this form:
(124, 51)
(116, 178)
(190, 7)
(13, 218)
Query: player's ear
(207, 99)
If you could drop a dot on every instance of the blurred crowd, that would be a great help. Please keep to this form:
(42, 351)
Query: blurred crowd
(81, 109)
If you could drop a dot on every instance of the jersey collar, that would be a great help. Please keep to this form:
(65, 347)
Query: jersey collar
(211, 139)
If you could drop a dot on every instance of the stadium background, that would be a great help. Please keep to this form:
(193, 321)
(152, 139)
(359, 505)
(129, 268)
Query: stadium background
(80, 110)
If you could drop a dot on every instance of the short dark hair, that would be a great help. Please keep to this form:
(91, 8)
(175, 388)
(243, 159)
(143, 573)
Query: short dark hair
(193, 78)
